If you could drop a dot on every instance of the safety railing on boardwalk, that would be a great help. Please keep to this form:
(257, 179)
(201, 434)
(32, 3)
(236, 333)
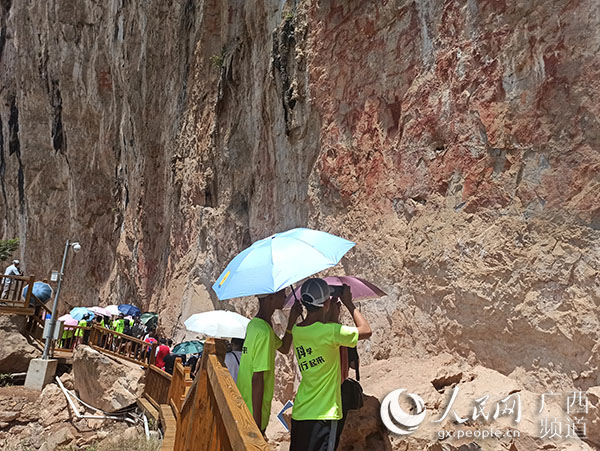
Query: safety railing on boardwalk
(122, 346)
(157, 386)
(180, 385)
(11, 300)
(71, 337)
(213, 415)
(35, 322)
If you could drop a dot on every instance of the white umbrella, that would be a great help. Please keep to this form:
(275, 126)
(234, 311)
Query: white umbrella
(113, 310)
(100, 311)
(218, 323)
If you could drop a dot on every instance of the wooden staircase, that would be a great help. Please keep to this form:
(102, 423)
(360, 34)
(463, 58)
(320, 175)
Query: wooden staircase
(207, 413)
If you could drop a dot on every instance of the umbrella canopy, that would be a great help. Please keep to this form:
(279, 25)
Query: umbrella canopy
(279, 261)
(79, 312)
(100, 311)
(128, 309)
(218, 323)
(41, 290)
(360, 288)
(188, 347)
(68, 320)
(150, 319)
(113, 310)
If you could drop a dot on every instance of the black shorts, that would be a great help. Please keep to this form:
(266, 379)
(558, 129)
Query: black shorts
(313, 435)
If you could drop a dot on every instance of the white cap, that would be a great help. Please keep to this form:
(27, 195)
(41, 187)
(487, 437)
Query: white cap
(16, 262)
(315, 292)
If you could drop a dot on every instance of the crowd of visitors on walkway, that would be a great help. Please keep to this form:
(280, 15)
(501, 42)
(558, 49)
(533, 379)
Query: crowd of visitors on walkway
(324, 348)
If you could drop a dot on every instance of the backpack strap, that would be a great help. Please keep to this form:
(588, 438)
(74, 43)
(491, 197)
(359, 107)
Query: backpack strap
(353, 357)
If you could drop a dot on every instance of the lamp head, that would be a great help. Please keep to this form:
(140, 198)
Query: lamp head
(76, 247)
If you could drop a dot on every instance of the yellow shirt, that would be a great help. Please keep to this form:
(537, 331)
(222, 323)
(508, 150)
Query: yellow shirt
(258, 354)
(317, 349)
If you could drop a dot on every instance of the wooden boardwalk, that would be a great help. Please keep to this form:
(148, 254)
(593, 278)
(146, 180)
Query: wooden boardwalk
(207, 413)
(12, 302)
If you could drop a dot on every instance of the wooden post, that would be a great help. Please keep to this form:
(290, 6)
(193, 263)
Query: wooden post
(152, 353)
(216, 346)
(29, 290)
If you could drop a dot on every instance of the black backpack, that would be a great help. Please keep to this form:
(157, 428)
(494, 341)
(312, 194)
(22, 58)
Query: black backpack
(352, 392)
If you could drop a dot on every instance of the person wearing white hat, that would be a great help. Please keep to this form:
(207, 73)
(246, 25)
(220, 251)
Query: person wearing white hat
(12, 270)
(318, 403)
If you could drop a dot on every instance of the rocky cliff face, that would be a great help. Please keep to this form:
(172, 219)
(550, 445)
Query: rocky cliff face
(456, 142)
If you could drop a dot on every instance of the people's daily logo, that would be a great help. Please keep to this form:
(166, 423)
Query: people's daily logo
(396, 419)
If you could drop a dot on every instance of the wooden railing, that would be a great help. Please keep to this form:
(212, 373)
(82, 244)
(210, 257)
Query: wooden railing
(123, 346)
(180, 385)
(157, 386)
(10, 296)
(213, 415)
(35, 322)
(72, 336)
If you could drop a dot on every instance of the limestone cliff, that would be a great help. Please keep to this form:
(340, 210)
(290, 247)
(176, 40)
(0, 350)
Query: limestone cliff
(456, 142)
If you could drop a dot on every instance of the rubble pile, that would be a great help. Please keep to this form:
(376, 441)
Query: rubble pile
(43, 421)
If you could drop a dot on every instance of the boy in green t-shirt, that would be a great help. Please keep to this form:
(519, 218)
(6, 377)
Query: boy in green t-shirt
(318, 403)
(256, 374)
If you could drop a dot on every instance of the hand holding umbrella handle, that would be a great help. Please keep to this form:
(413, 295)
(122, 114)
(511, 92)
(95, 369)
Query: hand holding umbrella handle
(364, 330)
(347, 296)
(295, 312)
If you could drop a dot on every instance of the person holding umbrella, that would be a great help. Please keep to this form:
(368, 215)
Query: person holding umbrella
(256, 373)
(264, 270)
(318, 403)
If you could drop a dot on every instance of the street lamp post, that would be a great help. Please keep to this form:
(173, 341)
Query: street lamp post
(76, 247)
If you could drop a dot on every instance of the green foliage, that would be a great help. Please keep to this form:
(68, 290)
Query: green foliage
(7, 247)
(218, 60)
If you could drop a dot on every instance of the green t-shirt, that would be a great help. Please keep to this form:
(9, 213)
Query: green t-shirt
(118, 325)
(79, 332)
(258, 354)
(317, 349)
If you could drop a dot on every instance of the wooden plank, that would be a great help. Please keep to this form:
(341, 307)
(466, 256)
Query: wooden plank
(115, 354)
(186, 416)
(174, 408)
(146, 406)
(207, 417)
(37, 301)
(8, 310)
(160, 373)
(169, 425)
(105, 331)
(152, 401)
(241, 429)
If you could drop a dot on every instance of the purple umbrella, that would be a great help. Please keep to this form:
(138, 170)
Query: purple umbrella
(361, 288)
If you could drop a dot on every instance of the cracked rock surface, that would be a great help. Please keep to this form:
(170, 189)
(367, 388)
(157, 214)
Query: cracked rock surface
(455, 142)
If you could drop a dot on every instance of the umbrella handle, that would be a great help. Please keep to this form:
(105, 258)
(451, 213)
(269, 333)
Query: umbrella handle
(296, 300)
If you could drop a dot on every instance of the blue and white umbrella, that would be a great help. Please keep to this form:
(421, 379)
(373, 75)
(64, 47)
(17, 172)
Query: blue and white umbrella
(278, 261)
(79, 312)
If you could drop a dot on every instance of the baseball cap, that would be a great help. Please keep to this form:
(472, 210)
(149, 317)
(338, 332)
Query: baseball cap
(315, 292)
(16, 262)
